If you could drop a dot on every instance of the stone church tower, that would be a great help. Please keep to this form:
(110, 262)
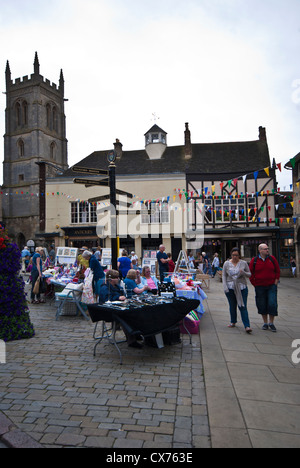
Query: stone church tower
(35, 130)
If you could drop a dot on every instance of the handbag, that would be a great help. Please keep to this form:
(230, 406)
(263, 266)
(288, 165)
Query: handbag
(36, 288)
(88, 292)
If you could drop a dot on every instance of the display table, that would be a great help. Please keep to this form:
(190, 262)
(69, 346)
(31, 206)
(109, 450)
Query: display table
(193, 295)
(139, 319)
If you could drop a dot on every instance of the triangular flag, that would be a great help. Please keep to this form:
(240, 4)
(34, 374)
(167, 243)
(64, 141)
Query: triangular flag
(255, 174)
(279, 166)
(229, 183)
(267, 171)
(293, 162)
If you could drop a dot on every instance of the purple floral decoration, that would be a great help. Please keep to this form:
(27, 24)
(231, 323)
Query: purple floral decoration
(15, 322)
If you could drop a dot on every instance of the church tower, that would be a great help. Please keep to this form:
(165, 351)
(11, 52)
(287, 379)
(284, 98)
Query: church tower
(35, 130)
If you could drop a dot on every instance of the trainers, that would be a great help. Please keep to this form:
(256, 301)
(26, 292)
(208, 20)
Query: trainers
(272, 327)
(265, 326)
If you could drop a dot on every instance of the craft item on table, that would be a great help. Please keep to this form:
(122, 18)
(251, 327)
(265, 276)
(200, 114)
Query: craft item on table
(181, 285)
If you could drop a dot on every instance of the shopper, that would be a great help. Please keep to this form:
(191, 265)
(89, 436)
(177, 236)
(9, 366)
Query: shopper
(36, 275)
(124, 264)
(265, 278)
(163, 262)
(235, 274)
(293, 266)
(96, 267)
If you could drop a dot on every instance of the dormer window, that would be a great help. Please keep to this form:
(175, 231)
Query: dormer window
(155, 135)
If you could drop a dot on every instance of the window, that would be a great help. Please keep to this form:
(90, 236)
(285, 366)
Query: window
(53, 150)
(83, 212)
(230, 208)
(155, 213)
(21, 113)
(52, 117)
(21, 148)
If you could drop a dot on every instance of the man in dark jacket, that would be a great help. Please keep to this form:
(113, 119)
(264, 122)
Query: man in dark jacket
(265, 278)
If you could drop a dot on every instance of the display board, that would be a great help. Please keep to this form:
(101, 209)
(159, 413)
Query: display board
(66, 255)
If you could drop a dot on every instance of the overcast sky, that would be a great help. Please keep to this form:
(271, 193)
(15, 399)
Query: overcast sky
(225, 66)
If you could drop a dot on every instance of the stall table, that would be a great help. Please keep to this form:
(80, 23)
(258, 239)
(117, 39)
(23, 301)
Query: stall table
(139, 321)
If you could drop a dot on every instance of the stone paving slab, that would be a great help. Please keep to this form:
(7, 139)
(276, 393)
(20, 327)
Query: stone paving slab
(252, 385)
(228, 389)
(57, 394)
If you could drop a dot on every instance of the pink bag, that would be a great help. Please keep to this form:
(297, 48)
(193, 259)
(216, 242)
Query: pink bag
(88, 293)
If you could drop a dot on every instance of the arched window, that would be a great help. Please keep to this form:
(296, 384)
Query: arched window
(18, 114)
(21, 148)
(48, 112)
(52, 117)
(53, 150)
(24, 113)
(21, 113)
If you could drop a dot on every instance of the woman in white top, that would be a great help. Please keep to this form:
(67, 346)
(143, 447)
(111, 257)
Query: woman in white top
(235, 274)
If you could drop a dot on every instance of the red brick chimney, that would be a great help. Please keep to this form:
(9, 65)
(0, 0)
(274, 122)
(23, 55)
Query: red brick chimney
(187, 142)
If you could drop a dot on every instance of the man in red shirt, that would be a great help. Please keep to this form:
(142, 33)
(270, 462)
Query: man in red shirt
(265, 278)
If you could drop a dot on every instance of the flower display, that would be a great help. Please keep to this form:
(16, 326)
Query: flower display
(15, 322)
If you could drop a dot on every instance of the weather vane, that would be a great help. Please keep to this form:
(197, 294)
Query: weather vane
(155, 117)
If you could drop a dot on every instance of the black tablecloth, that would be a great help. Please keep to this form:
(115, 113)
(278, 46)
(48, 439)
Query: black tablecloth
(147, 320)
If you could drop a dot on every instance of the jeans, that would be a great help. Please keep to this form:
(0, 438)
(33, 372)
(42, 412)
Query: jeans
(266, 300)
(34, 277)
(233, 307)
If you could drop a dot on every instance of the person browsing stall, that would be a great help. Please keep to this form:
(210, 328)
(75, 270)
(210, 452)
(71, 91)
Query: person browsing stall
(95, 266)
(124, 264)
(36, 273)
(163, 262)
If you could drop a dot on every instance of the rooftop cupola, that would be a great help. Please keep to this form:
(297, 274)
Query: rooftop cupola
(155, 142)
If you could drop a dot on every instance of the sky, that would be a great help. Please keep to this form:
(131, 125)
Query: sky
(225, 66)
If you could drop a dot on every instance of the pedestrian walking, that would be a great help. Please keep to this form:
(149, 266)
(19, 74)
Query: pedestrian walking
(215, 265)
(235, 274)
(265, 278)
(293, 266)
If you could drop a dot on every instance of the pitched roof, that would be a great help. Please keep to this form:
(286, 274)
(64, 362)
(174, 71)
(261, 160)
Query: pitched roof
(209, 158)
(155, 128)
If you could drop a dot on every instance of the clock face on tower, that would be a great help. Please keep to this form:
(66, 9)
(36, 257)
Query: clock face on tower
(111, 156)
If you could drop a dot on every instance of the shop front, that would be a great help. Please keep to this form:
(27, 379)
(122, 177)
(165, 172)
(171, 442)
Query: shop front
(79, 236)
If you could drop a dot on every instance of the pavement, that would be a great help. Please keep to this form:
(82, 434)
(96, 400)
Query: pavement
(226, 389)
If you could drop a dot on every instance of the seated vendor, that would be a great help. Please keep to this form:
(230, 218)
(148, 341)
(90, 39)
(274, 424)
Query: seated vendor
(148, 280)
(131, 284)
(111, 290)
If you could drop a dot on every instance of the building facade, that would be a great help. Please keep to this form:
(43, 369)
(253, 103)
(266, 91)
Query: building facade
(35, 130)
(294, 165)
(195, 196)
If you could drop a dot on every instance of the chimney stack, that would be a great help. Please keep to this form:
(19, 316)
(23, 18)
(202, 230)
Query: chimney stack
(187, 142)
(118, 148)
(262, 134)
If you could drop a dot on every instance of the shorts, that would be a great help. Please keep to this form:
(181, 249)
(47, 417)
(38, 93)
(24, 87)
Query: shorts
(266, 300)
